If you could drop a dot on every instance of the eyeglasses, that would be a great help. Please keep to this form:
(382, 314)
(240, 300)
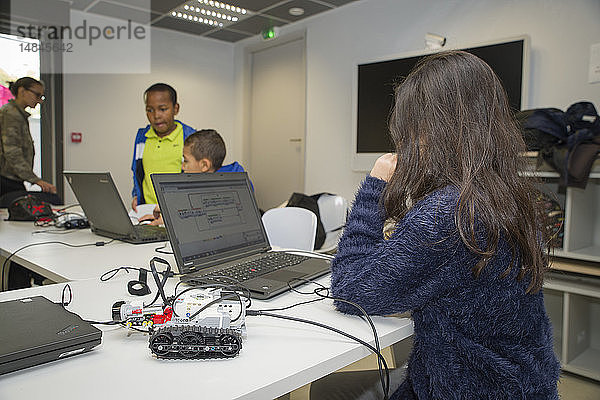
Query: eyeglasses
(39, 96)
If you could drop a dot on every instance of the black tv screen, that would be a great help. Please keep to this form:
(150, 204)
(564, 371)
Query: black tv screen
(376, 89)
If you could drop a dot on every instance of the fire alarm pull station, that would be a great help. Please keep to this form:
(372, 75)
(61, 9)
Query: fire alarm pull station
(76, 137)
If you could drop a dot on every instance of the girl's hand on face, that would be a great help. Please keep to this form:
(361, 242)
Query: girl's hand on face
(384, 167)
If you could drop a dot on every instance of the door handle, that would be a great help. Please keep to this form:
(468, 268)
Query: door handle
(295, 140)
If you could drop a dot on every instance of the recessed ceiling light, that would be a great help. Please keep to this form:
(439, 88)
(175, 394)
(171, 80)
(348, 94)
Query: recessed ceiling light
(214, 9)
(296, 11)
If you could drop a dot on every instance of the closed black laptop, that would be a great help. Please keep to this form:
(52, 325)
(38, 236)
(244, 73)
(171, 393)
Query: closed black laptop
(35, 330)
(100, 200)
(216, 230)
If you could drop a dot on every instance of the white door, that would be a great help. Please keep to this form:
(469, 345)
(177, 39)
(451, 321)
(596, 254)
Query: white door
(277, 122)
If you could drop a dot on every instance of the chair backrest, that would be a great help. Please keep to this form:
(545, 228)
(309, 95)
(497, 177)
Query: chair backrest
(333, 210)
(291, 228)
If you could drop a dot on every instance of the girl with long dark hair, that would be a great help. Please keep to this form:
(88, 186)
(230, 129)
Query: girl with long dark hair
(466, 255)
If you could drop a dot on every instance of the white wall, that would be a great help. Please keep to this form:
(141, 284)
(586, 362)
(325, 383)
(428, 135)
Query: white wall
(561, 33)
(108, 109)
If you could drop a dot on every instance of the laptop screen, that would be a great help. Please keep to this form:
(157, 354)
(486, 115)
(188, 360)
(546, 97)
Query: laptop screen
(211, 217)
(100, 201)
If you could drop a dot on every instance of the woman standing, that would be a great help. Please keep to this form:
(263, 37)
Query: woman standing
(466, 254)
(16, 149)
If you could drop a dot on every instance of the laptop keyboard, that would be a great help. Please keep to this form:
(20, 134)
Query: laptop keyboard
(251, 269)
(149, 231)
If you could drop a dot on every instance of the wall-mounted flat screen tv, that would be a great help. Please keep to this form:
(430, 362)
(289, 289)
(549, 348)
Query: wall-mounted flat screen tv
(375, 92)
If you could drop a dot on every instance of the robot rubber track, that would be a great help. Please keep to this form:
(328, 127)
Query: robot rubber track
(194, 342)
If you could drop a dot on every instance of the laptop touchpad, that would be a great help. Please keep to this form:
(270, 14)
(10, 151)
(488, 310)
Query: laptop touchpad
(282, 275)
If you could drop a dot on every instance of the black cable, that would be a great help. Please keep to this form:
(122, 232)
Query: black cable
(64, 304)
(299, 292)
(177, 286)
(111, 274)
(55, 231)
(105, 276)
(229, 296)
(385, 382)
(292, 305)
(116, 323)
(307, 252)
(103, 322)
(375, 350)
(160, 249)
(321, 286)
(153, 300)
(100, 243)
(67, 207)
(160, 284)
(318, 291)
(135, 328)
(208, 286)
(114, 272)
(62, 296)
(214, 280)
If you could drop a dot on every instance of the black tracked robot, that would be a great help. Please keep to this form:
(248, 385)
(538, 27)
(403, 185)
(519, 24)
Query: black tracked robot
(199, 323)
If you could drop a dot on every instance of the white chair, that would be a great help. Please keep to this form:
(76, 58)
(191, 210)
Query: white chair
(291, 228)
(333, 210)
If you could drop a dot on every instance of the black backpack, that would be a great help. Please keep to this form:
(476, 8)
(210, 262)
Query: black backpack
(568, 141)
(310, 203)
(542, 128)
(28, 208)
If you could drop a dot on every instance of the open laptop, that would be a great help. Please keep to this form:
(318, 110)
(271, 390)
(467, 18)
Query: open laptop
(215, 229)
(35, 330)
(100, 200)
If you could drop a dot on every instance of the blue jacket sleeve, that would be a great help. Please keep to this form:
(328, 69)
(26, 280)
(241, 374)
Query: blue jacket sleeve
(140, 137)
(404, 272)
(133, 163)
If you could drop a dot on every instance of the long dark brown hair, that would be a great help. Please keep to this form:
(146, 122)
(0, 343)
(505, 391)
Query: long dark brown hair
(451, 125)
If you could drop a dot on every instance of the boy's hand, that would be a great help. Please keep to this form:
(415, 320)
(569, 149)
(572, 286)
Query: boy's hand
(156, 221)
(134, 203)
(147, 217)
(384, 167)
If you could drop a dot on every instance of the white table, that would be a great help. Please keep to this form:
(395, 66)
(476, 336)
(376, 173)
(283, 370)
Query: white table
(277, 356)
(60, 263)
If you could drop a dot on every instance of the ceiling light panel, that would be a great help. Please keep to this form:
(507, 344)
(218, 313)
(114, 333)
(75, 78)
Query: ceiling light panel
(210, 12)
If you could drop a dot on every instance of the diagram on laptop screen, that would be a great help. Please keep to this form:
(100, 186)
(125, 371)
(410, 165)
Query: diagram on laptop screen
(214, 210)
(212, 219)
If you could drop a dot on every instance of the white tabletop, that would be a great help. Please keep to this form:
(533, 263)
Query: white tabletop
(277, 356)
(61, 263)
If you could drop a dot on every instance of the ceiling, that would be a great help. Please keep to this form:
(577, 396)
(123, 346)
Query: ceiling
(228, 20)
